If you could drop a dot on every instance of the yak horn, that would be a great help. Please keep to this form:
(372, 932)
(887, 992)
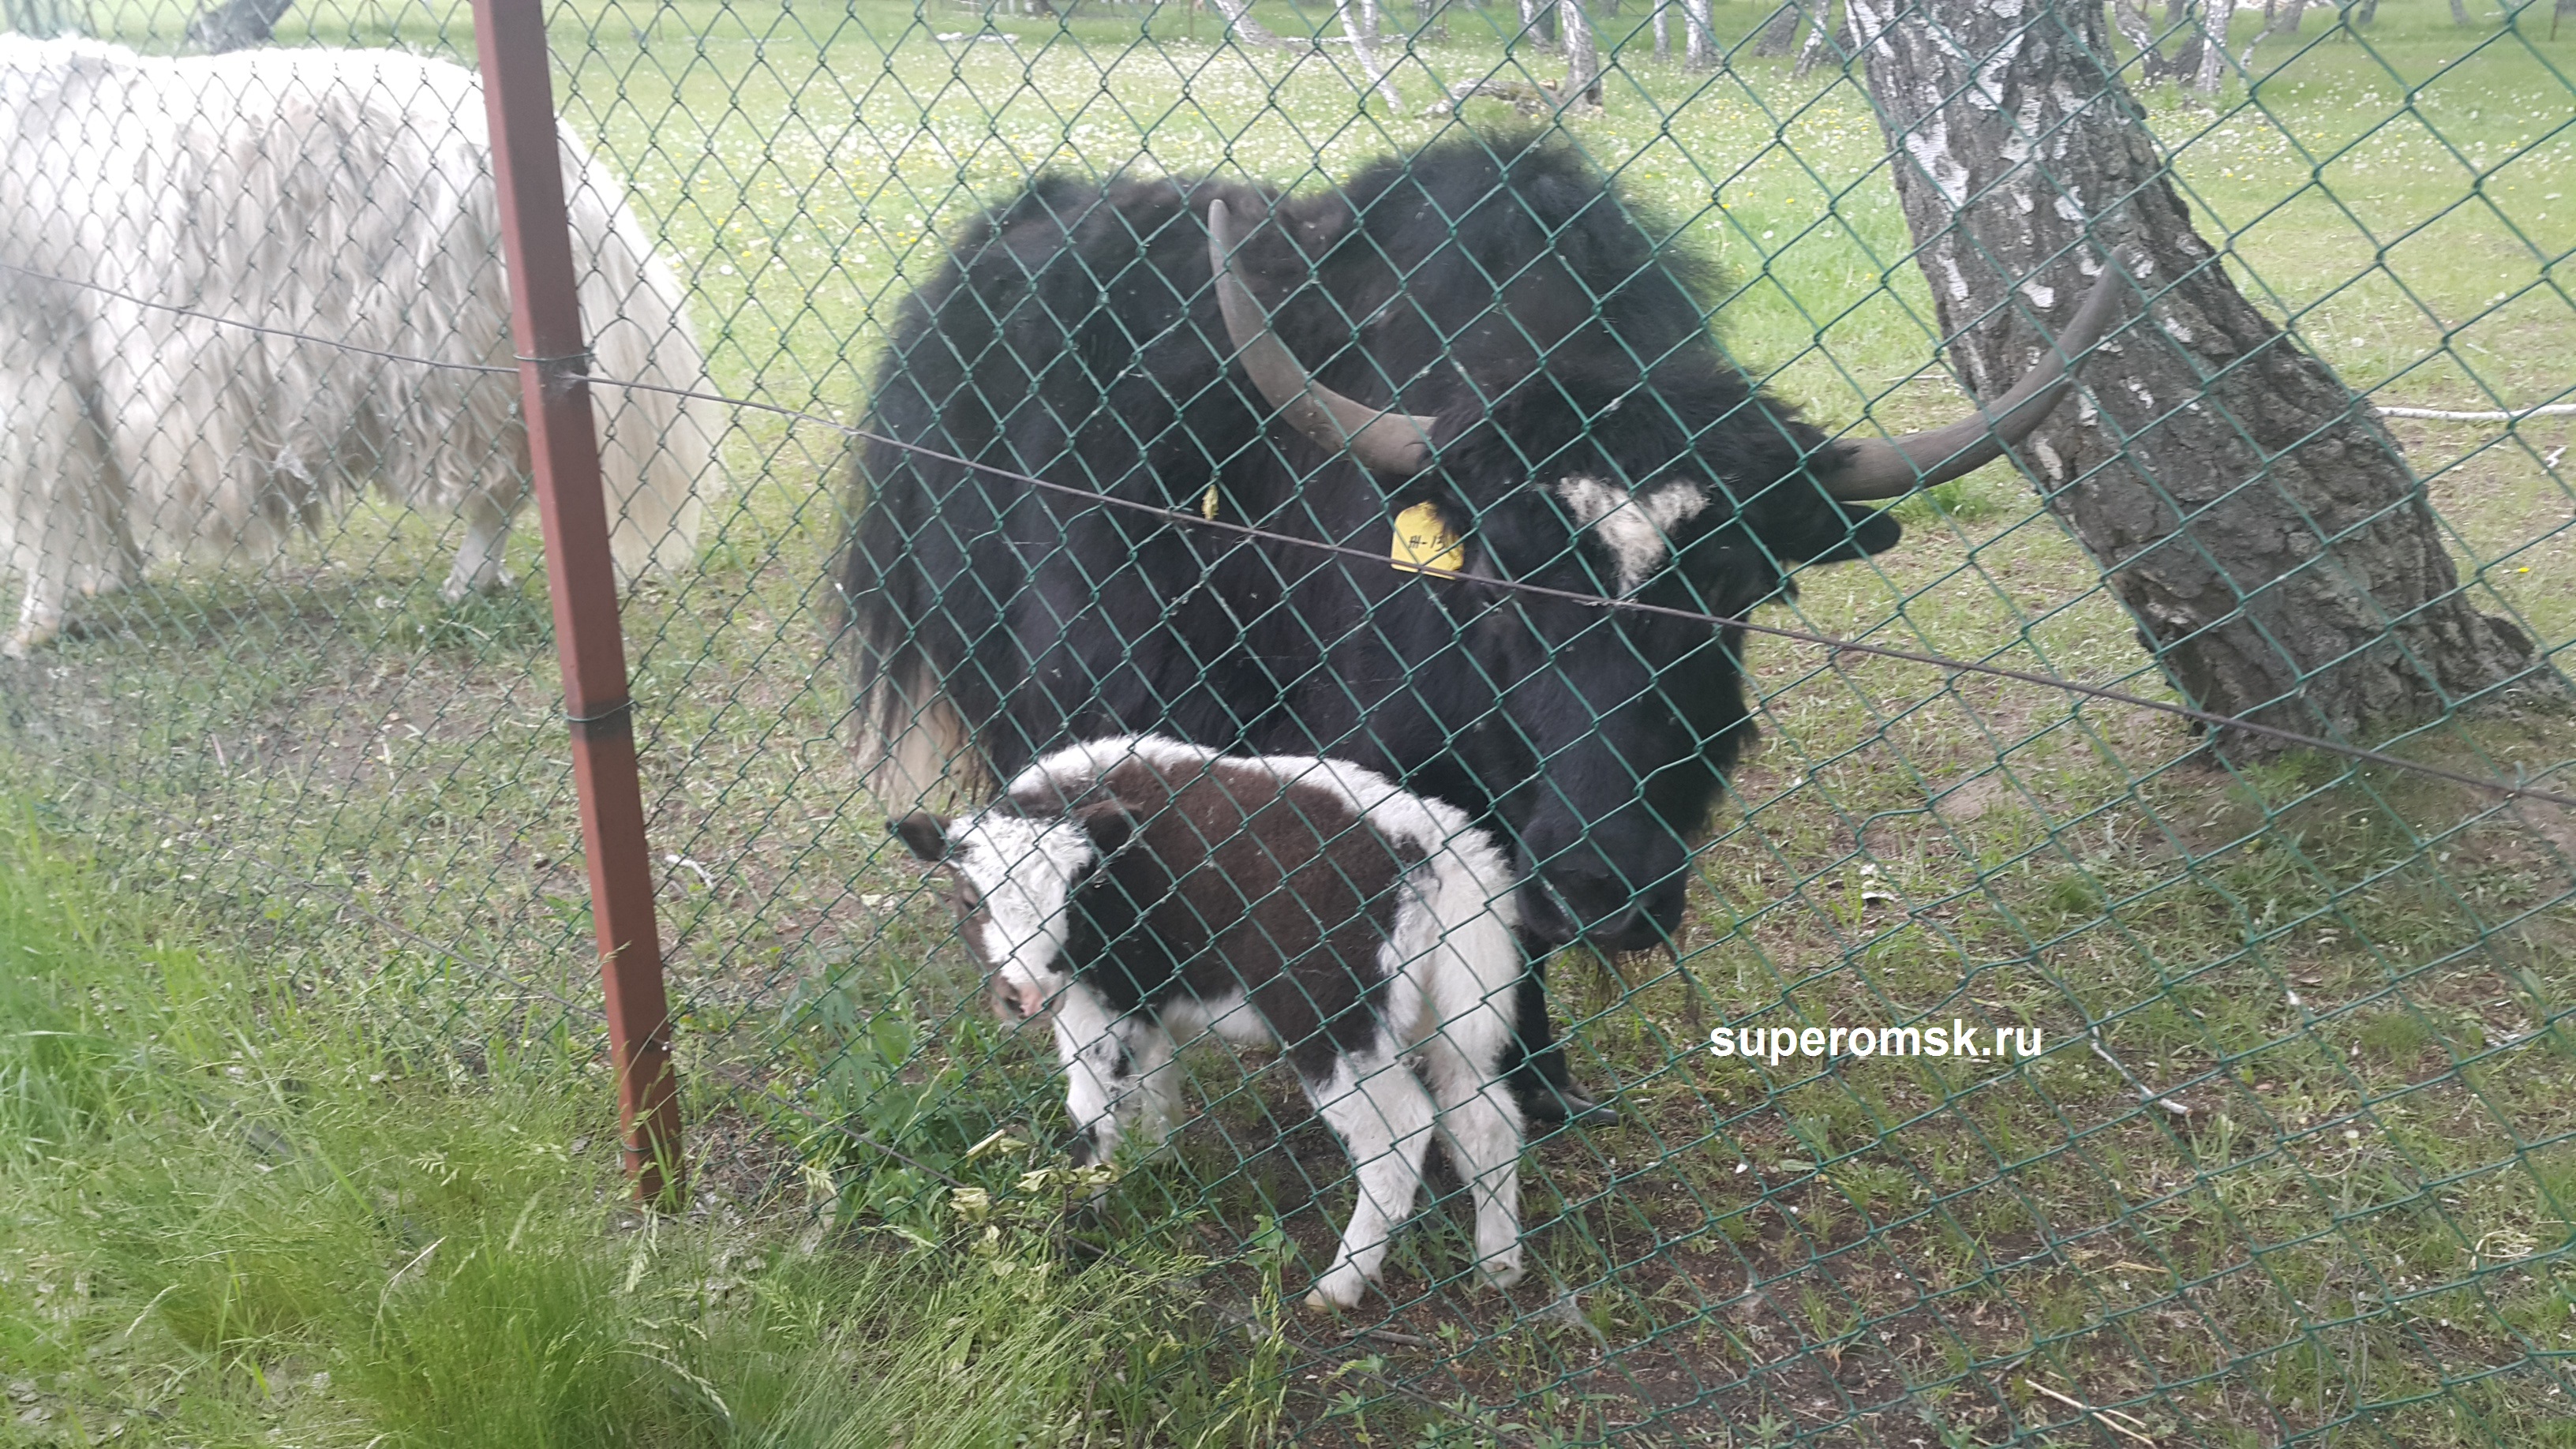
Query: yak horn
(1391, 443)
(1886, 467)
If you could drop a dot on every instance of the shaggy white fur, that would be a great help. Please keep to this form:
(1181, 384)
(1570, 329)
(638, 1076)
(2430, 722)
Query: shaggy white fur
(344, 194)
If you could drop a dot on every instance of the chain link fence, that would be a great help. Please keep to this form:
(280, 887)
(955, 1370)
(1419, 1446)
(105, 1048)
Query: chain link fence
(2267, 1139)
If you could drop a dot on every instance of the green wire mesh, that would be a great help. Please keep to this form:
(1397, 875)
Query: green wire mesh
(2288, 1156)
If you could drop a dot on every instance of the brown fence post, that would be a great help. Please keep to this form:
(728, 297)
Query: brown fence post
(563, 443)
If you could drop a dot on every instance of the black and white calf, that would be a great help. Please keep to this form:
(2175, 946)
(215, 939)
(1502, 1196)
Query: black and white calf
(1144, 891)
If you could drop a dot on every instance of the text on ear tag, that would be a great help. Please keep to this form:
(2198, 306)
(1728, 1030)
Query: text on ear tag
(1424, 540)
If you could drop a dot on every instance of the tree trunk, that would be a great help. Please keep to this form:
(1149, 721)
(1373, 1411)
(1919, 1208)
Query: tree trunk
(2264, 533)
(2459, 13)
(42, 18)
(1359, 23)
(2214, 16)
(1538, 23)
(2183, 16)
(1822, 37)
(1582, 54)
(2285, 20)
(1240, 24)
(237, 24)
(1699, 36)
(1663, 31)
(2130, 16)
(1780, 36)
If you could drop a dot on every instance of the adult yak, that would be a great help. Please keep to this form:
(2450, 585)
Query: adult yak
(1474, 358)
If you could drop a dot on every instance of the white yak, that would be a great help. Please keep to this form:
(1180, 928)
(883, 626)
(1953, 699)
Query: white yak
(345, 195)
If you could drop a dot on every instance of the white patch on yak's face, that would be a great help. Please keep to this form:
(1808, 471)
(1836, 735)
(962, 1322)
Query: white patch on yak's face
(1023, 870)
(1633, 528)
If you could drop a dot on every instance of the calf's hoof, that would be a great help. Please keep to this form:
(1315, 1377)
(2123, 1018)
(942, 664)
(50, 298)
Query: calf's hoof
(1565, 1106)
(1339, 1288)
(1499, 1273)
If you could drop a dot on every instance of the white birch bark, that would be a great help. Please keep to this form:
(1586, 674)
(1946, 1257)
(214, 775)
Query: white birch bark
(1820, 36)
(1699, 42)
(2213, 45)
(1359, 22)
(1582, 55)
(1531, 29)
(1240, 24)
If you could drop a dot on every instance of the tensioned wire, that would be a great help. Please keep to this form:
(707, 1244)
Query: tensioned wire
(2500, 788)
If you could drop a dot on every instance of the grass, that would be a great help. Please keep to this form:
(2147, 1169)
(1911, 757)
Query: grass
(239, 1211)
(2354, 983)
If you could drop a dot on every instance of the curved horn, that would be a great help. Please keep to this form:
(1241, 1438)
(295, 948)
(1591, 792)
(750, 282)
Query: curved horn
(1392, 443)
(1886, 467)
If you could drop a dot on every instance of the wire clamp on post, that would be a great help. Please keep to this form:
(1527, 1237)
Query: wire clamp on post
(616, 720)
(561, 374)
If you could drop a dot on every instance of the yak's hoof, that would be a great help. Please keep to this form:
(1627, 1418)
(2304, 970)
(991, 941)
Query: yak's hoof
(495, 580)
(1499, 1274)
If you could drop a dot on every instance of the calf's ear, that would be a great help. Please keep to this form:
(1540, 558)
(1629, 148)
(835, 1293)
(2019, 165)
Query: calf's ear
(922, 833)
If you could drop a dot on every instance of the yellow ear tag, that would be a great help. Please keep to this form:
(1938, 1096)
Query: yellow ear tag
(1207, 505)
(1424, 540)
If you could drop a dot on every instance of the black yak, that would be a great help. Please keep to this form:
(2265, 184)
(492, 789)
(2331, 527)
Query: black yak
(1478, 348)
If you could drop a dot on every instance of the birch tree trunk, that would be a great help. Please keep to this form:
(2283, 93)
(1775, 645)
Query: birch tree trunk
(1663, 32)
(1536, 24)
(1359, 23)
(2214, 16)
(233, 25)
(1780, 36)
(2272, 546)
(1822, 37)
(2186, 57)
(1240, 24)
(1699, 36)
(2130, 16)
(1582, 54)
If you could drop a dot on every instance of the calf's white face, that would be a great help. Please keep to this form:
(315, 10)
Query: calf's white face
(1018, 872)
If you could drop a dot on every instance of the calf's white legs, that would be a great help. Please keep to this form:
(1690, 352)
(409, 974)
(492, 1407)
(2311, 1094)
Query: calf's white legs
(1384, 1119)
(1482, 1125)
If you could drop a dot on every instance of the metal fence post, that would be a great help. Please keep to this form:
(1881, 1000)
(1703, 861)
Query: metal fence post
(563, 443)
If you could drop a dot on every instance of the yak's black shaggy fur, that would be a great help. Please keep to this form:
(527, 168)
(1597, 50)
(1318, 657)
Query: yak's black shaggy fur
(1496, 284)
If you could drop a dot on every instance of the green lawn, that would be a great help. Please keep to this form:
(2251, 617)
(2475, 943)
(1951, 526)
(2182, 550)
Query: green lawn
(2357, 985)
(242, 1210)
